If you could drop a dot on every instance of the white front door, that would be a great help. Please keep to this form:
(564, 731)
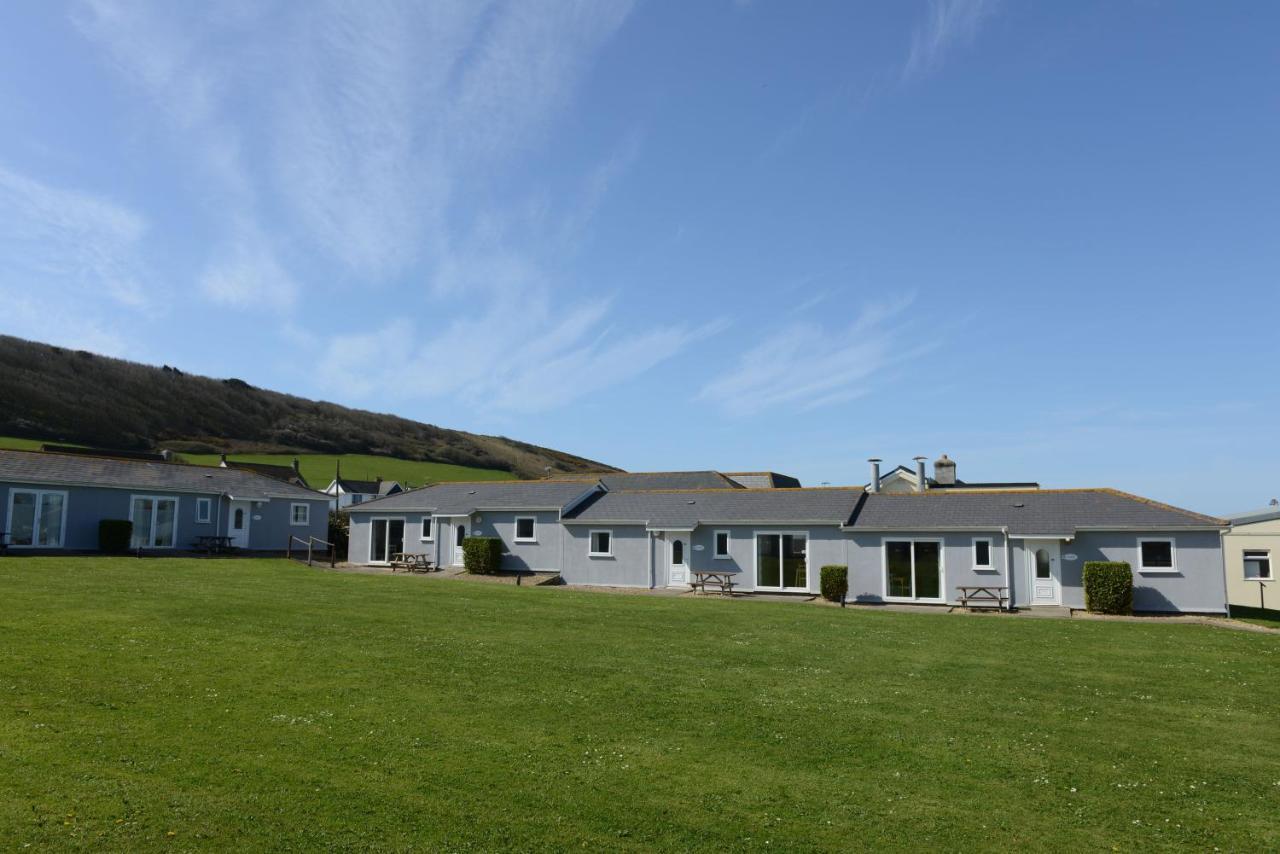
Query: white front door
(238, 523)
(459, 534)
(678, 558)
(1044, 567)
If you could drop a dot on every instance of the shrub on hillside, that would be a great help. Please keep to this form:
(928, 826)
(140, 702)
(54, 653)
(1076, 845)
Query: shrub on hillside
(835, 583)
(482, 555)
(1108, 587)
(339, 533)
(114, 535)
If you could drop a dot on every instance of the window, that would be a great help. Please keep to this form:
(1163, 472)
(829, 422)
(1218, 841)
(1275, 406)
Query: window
(525, 529)
(1155, 556)
(722, 544)
(300, 514)
(601, 544)
(782, 561)
(425, 534)
(356, 498)
(155, 521)
(1257, 565)
(204, 509)
(913, 569)
(386, 539)
(981, 553)
(37, 518)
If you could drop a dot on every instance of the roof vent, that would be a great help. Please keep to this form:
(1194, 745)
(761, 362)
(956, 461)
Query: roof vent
(691, 501)
(1019, 504)
(471, 492)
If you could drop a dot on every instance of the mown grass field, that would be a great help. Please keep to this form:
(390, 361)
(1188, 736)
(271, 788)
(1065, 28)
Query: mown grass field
(180, 704)
(318, 469)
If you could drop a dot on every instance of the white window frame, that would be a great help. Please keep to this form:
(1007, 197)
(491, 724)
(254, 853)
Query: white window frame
(755, 560)
(990, 565)
(533, 538)
(293, 514)
(715, 545)
(35, 519)
(387, 536)
(155, 509)
(204, 511)
(427, 534)
(591, 542)
(1259, 554)
(942, 569)
(1159, 570)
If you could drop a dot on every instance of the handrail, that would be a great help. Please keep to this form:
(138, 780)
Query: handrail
(310, 543)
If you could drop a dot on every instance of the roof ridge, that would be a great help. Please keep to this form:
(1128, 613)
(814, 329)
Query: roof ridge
(710, 491)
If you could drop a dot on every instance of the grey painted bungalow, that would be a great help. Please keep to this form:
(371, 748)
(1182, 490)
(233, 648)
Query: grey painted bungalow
(914, 547)
(54, 502)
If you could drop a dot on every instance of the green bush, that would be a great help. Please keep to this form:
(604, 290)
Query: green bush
(1108, 587)
(482, 555)
(339, 533)
(114, 535)
(835, 582)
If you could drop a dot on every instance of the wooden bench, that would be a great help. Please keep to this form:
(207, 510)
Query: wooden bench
(722, 578)
(986, 596)
(410, 562)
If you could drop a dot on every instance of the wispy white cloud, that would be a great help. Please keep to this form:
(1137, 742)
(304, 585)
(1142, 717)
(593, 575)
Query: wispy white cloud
(947, 25)
(67, 255)
(244, 273)
(805, 365)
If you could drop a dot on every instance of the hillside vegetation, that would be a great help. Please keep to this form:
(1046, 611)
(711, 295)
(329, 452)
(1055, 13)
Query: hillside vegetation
(54, 394)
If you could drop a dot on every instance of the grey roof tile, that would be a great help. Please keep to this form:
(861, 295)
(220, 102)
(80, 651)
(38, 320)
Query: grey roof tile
(687, 508)
(1046, 511)
(63, 469)
(460, 498)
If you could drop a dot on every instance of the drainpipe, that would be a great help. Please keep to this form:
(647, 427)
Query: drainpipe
(653, 573)
(1008, 567)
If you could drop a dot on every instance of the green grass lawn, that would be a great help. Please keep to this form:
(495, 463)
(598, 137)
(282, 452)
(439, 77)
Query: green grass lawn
(148, 704)
(318, 468)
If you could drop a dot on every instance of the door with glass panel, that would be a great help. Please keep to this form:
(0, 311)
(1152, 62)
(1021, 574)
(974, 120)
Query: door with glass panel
(782, 562)
(155, 522)
(239, 520)
(913, 570)
(1042, 566)
(36, 518)
(386, 539)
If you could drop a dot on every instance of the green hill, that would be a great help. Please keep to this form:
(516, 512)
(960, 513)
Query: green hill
(72, 396)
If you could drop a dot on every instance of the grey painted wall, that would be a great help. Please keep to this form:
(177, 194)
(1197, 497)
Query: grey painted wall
(86, 506)
(827, 546)
(1199, 584)
(628, 567)
(867, 582)
(544, 555)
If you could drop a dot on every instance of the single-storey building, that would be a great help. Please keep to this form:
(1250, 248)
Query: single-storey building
(915, 547)
(1251, 550)
(54, 502)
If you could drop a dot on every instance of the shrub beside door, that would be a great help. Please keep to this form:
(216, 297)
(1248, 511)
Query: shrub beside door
(114, 535)
(482, 555)
(1108, 587)
(835, 583)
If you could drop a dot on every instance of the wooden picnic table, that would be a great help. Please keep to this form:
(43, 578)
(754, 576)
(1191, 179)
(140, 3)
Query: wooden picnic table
(411, 562)
(984, 596)
(722, 578)
(213, 543)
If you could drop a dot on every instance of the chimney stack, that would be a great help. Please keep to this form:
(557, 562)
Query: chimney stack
(222, 460)
(944, 471)
(297, 469)
(874, 486)
(922, 482)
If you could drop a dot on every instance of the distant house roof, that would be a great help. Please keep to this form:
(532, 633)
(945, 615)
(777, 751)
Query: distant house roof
(1265, 514)
(461, 499)
(667, 480)
(688, 508)
(286, 473)
(370, 487)
(763, 479)
(115, 453)
(73, 470)
(1024, 513)
(908, 475)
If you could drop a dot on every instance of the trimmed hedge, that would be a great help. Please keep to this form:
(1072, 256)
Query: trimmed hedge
(835, 582)
(482, 555)
(114, 535)
(1108, 587)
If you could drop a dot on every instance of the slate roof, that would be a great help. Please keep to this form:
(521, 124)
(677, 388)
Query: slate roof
(1045, 511)
(369, 487)
(667, 480)
(1266, 514)
(763, 480)
(285, 473)
(69, 470)
(460, 499)
(687, 508)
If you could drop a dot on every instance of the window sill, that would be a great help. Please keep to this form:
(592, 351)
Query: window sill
(984, 569)
(723, 557)
(425, 541)
(1251, 580)
(589, 554)
(1158, 571)
(525, 542)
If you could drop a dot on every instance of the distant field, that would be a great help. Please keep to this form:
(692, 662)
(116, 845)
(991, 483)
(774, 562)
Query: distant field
(179, 705)
(318, 468)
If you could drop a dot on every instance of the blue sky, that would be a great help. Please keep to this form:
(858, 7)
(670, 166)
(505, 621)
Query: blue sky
(1042, 238)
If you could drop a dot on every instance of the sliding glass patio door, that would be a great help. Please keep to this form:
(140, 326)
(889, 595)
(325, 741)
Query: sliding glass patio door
(386, 539)
(155, 522)
(782, 562)
(913, 569)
